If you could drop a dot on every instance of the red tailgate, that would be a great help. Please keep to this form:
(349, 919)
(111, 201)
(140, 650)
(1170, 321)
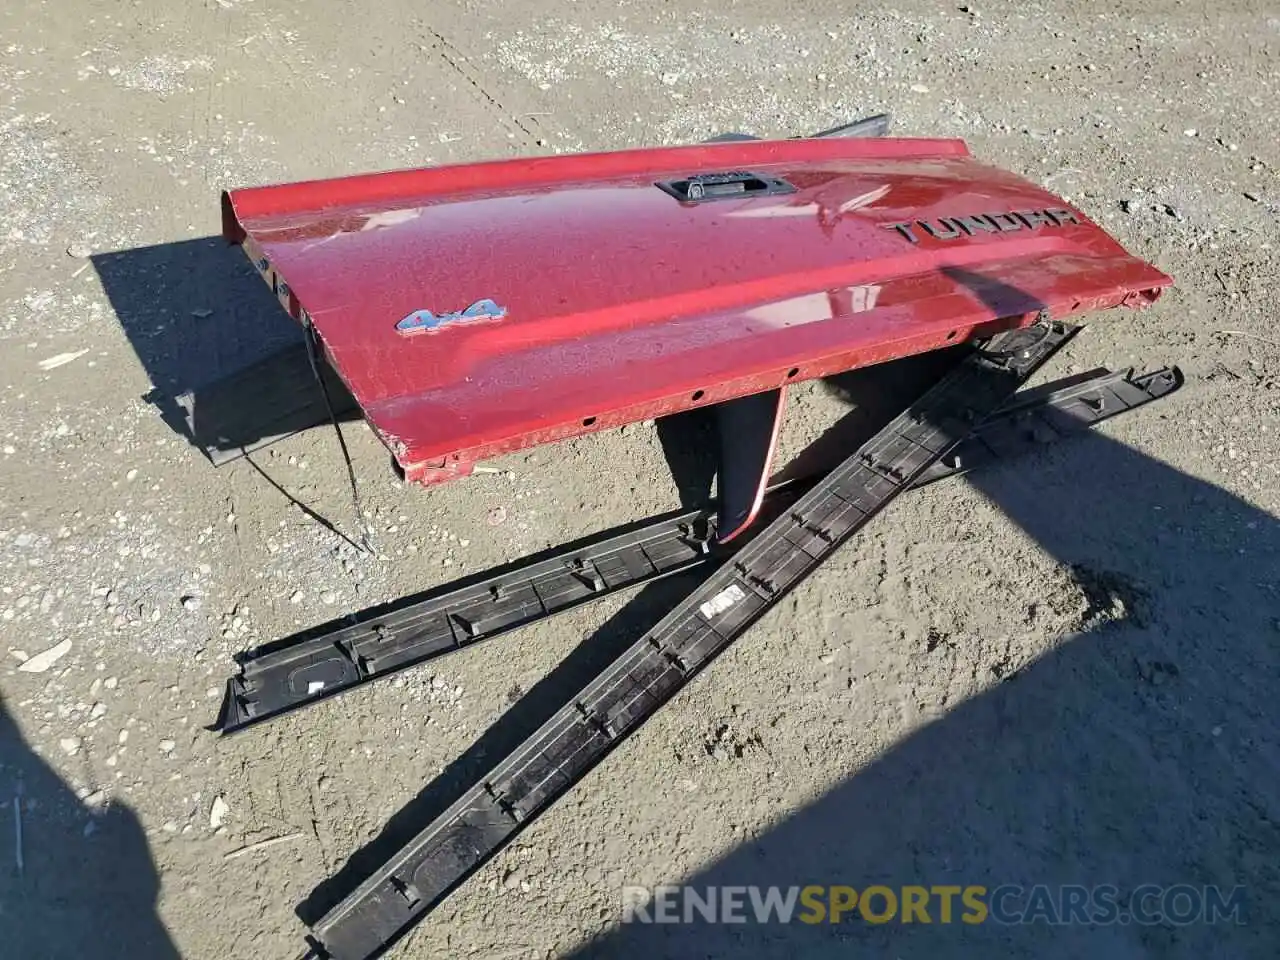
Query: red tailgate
(610, 299)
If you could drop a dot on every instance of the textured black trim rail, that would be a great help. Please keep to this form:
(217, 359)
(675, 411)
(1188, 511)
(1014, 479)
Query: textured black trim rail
(301, 670)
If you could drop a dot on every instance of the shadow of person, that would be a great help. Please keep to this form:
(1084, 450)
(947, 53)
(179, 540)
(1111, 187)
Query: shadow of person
(1144, 750)
(86, 886)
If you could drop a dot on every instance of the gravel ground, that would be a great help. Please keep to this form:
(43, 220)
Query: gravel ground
(1060, 672)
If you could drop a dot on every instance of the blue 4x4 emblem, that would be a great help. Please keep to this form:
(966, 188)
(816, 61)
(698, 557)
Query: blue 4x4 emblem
(424, 321)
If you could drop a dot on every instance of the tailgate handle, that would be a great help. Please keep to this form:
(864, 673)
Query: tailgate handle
(735, 185)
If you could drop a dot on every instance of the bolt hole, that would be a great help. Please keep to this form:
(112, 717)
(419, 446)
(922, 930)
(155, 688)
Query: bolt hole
(792, 372)
(588, 421)
(952, 335)
(698, 394)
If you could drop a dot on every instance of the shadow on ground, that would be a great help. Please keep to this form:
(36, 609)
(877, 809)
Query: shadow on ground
(1092, 765)
(228, 367)
(76, 894)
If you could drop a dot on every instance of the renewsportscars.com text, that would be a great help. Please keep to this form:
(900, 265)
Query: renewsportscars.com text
(1178, 904)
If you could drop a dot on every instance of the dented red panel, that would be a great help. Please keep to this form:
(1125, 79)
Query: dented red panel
(473, 310)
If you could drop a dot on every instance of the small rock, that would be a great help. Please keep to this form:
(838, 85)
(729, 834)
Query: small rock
(167, 746)
(44, 660)
(328, 597)
(496, 516)
(99, 710)
(191, 602)
(79, 251)
(202, 313)
(297, 596)
(1190, 132)
(919, 88)
(512, 879)
(123, 738)
(218, 813)
(46, 602)
(670, 79)
(111, 683)
(70, 745)
(131, 475)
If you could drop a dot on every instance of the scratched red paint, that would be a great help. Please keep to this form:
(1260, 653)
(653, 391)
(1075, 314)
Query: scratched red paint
(623, 303)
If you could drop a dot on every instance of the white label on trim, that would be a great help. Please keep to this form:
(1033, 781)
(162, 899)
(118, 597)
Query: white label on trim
(722, 601)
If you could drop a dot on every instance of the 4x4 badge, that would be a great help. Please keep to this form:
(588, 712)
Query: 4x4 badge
(424, 321)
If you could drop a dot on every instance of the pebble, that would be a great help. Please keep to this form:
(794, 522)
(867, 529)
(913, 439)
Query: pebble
(167, 746)
(99, 710)
(191, 602)
(123, 737)
(79, 251)
(45, 659)
(297, 596)
(111, 683)
(328, 597)
(218, 813)
(70, 745)
(131, 475)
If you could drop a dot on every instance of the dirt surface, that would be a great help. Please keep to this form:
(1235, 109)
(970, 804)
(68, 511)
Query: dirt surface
(1061, 672)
